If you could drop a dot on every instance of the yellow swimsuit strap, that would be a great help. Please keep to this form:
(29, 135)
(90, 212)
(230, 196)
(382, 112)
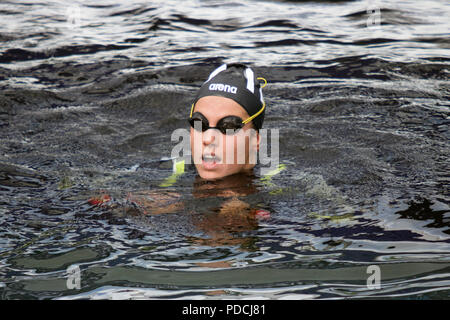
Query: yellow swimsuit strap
(178, 170)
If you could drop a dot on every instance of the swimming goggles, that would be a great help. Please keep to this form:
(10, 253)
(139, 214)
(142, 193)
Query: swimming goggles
(227, 125)
(249, 118)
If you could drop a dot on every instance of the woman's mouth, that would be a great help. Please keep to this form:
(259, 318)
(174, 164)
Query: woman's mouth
(210, 162)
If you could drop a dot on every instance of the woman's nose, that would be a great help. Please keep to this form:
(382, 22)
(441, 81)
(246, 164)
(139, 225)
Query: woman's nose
(210, 136)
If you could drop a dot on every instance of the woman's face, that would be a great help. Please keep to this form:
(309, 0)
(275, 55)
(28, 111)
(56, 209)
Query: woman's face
(217, 155)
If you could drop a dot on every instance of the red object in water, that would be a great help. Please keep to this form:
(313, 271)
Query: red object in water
(262, 214)
(97, 201)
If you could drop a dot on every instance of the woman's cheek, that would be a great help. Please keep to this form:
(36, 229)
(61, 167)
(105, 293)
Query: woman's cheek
(196, 146)
(229, 150)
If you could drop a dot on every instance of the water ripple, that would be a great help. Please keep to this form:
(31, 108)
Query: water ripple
(92, 91)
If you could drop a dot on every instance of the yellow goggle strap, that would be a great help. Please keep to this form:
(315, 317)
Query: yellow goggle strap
(265, 81)
(192, 109)
(255, 115)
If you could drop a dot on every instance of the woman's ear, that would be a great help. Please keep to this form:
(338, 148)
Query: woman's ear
(258, 140)
(252, 148)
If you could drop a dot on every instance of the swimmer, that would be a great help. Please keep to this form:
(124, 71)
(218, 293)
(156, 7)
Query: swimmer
(231, 102)
(225, 118)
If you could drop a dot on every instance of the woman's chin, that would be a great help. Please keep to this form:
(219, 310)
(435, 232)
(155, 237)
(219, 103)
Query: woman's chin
(212, 172)
(219, 171)
(210, 175)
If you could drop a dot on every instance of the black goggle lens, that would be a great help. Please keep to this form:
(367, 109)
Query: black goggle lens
(226, 125)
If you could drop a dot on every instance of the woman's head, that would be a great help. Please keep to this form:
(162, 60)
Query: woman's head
(231, 102)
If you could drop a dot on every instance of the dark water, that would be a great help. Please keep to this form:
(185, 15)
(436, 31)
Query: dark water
(92, 90)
